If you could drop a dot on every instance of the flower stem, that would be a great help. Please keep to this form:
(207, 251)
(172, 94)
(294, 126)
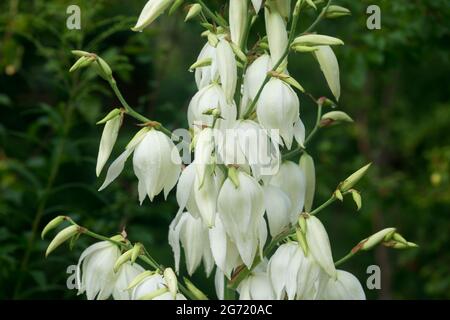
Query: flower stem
(211, 14)
(344, 259)
(318, 19)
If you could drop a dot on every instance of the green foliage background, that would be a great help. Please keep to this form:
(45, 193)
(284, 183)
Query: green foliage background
(395, 85)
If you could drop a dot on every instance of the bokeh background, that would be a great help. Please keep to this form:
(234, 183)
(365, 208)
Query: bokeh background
(395, 84)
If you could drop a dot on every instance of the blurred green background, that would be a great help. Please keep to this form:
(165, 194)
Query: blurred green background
(395, 84)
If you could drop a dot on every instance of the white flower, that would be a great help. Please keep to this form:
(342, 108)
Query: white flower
(194, 237)
(152, 10)
(276, 32)
(292, 273)
(257, 286)
(185, 195)
(224, 251)
(345, 287)
(330, 68)
(208, 98)
(125, 275)
(109, 137)
(154, 286)
(253, 80)
(95, 274)
(319, 245)
(241, 210)
(207, 74)
(157, 165)
(226, 64)
(238, 20)
(278, 207)
(291, 180)
(278, 107)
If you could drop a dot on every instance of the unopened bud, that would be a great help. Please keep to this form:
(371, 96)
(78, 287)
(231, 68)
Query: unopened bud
(300, 48)
(194, 11)
(334, 11)
(104, 69)
(354, 178)
(316, 40)
(122, 259)
(334, 117)
(238, 52)
(136, 252)
(200, 63)
(338, 195)
(62, 237)
(375, 239)
(111, 115)
(171, 281)
(311, 4)
(212, 39)
(139, 278)
(154, 294)
(52, 225)
(81, 63)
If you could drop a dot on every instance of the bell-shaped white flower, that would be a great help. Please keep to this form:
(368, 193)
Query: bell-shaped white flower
(107, 141)
(152, 10)
(205, 75)
(291, 180)
(209, 98)
(125, 275)
(241, 209)
(224, 251)
(185, 195)
(117, 166)
(95, 274)
(276, 31)
(157, 165)
(345, 287)
(238, 20)
(278, 209)
(278, 107)
(257, 286)
(292, 274)
(253, 80)
(193, 235)
(205, 194)
(226, 64)
(319, 245)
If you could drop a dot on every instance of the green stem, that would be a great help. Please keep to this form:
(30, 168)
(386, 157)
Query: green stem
(133, 113)
(318, 19)
(211, 14)
(344, 259)
(323, 205)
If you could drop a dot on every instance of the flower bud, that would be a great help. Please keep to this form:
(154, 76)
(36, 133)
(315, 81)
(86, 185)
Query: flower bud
(141, 277)
(201, 63)
(82, 62)
(52, 225)
(136, 252)
(334, 11)
(374, 239)
(354, 178)
(194, 11)
(109, 136)
(238, 20)
(307, 166)
(171, 281)
(288, 79)
(334, 117)
(151, 11)
(311, 4)
(80, 53)
(154, 294)
(122, 259)
(238, 52)
(338, 195)
(104, 69)
(62, 237)
(300, 48)
(276, 32)
(316, 40)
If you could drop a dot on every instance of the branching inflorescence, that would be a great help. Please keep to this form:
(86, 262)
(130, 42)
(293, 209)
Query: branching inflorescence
(245, 208)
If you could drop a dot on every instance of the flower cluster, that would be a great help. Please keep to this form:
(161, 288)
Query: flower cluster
(245, 209)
